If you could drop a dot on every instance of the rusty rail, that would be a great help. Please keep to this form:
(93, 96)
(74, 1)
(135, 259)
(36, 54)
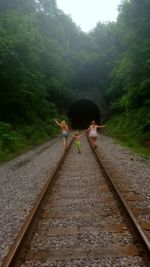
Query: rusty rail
(133, 220)
(12, 259)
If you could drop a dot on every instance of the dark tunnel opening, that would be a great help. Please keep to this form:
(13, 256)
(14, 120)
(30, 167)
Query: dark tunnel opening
(82, 112)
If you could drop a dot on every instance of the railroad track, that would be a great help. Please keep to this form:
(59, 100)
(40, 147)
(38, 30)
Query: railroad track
(80, 219)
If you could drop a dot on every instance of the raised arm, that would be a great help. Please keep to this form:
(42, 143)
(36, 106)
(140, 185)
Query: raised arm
(101, 126)
(82, 133)
(57, 122)
(87, 129)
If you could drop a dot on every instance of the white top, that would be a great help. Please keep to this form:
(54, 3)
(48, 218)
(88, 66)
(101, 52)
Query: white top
(93, 131)
(64, 131)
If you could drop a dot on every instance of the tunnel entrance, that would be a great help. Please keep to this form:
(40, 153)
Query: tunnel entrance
(82, 112)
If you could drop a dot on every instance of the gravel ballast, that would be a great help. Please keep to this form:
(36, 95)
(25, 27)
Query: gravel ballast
(132, 168)
(22, 179)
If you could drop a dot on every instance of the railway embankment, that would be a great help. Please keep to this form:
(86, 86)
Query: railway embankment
(23, 178)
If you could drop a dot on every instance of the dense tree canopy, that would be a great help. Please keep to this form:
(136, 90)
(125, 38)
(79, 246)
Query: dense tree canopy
(130, 78)
(45, 56)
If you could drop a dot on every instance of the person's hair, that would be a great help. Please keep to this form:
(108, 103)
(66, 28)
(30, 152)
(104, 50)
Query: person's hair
(63, 123)
(93, 122)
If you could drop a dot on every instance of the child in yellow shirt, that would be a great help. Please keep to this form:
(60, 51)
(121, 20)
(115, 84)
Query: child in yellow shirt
(77, 141)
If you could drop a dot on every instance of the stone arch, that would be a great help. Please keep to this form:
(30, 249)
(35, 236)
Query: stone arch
(95, 95)
(81, 112)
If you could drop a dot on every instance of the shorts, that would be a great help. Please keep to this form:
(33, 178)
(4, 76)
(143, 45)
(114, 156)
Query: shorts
(65, 135)
(78, 144)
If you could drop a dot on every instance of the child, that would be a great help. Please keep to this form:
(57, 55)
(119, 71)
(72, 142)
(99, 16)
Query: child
(77, 141)
(65, 131)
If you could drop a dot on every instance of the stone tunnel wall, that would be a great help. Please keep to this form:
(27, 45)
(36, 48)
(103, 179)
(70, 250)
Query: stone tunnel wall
(96, 96)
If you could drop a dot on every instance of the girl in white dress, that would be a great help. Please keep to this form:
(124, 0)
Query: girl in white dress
(93, 133)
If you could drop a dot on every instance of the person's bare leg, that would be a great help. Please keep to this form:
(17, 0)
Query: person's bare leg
(79, 151)
(65, 143)
(94, 143)
(91, 140)
(95, 146)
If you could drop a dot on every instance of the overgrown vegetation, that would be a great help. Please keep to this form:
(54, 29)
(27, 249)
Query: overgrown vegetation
(12, 142)
(45, 57)
(126, 129)
(129, 89)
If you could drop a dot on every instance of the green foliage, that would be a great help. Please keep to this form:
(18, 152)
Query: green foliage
(36, 69)
(19, 5)
(127, 131)
(129, 93)
(130, 77)
(8, 136)
(132, 126)
(13, 142)
(45, 57)
(10, 141)
(32, 57)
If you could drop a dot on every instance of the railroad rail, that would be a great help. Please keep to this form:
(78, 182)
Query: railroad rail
(80, 219)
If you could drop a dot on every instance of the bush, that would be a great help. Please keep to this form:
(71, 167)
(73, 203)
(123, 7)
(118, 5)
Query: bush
(10, 141)
(133, 129)
(15, 141)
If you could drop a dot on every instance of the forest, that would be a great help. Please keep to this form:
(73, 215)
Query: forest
(45, 56)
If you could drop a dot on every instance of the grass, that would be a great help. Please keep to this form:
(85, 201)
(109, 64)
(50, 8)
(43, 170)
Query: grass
(128, 132)
(133, 145)
(15, 143)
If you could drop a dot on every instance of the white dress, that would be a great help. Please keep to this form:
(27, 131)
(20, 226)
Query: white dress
(93, 131)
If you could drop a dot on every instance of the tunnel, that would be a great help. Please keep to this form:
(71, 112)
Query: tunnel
(82, 112)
